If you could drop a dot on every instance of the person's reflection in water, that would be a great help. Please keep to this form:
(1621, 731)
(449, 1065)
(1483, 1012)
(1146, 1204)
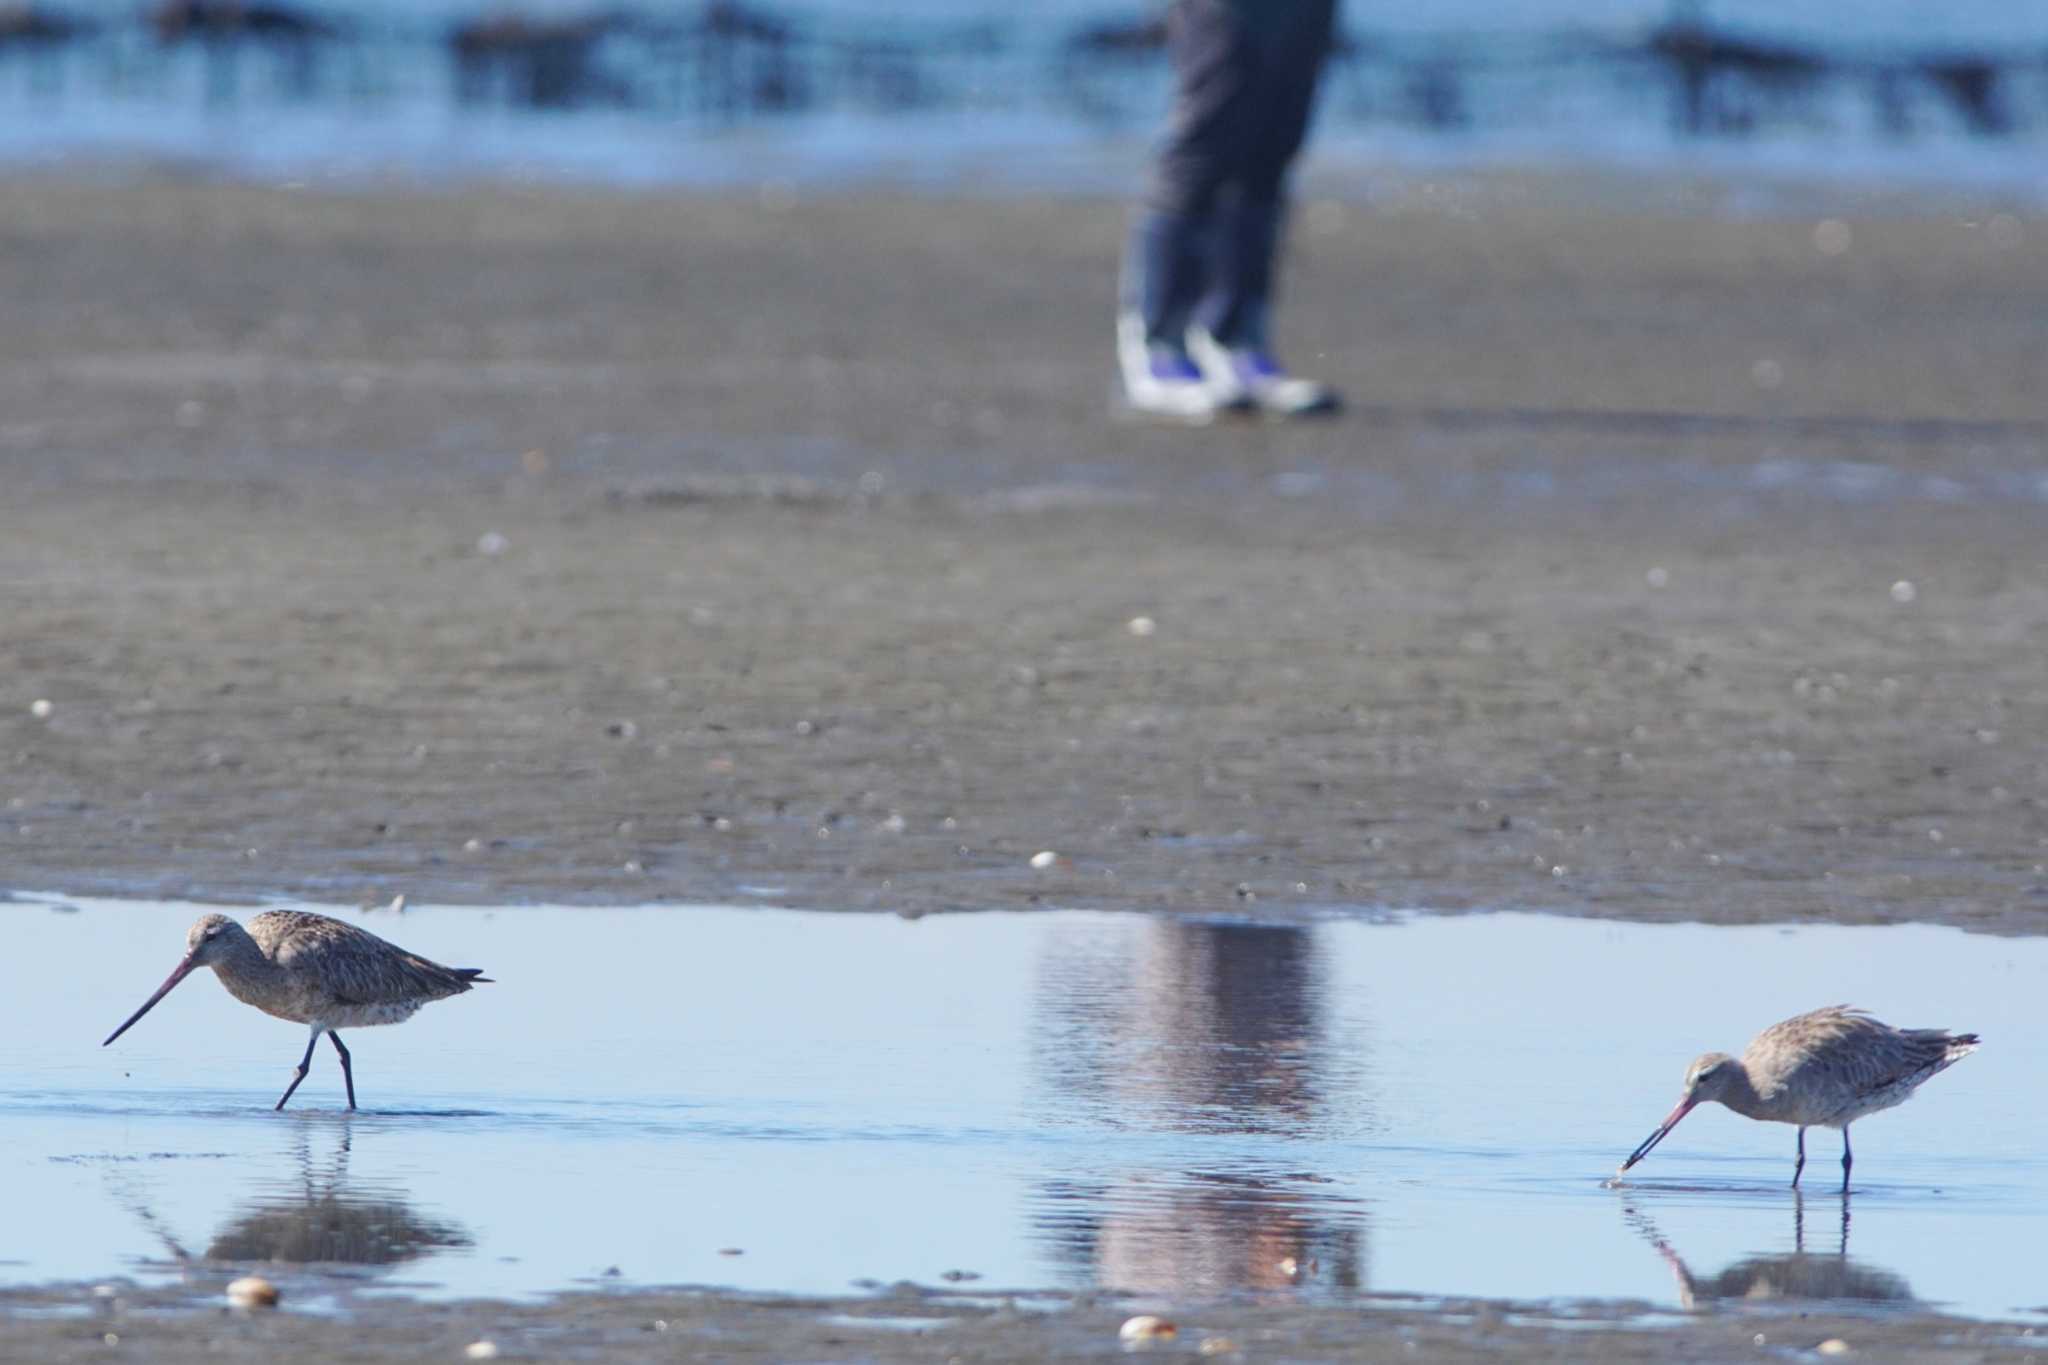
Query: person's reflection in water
(1207, 1028)
(1801, 1276)
(324, 1220)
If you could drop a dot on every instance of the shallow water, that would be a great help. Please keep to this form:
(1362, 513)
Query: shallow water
(1169, 1107)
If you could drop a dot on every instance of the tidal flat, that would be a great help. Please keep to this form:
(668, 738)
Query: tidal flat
(522, 547)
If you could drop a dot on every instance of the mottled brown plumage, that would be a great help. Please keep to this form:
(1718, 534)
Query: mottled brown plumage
(1828, 1067)
(313, 970)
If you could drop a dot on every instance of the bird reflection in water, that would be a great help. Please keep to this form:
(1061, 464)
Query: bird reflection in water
(324, 1221)
(1180, 1027)
(1801, 1276)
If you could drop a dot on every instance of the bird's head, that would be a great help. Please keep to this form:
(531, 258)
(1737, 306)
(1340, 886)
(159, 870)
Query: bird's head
(1712, 1076)
(1709, 1077)
(206, 942)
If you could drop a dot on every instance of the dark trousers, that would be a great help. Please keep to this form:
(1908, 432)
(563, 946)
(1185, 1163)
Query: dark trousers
(1202, 249)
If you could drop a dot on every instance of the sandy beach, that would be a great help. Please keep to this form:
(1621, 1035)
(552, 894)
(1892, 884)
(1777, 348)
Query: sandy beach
(505, 544)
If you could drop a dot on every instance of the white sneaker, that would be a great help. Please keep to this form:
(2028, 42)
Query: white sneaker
(1159, 378)
(1249, 376)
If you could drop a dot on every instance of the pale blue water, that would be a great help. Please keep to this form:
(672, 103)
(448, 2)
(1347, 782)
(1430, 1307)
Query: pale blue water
(1168, 1107)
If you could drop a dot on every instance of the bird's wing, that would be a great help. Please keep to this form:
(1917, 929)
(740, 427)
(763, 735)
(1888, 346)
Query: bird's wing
(353, 965)
(1848, 1049)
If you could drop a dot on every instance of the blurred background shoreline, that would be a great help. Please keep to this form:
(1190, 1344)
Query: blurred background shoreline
(1060, 99)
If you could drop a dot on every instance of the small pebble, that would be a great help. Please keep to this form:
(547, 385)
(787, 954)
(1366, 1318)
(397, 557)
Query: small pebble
(1217, 1346)
(1658, 577)
(481, 1350)
(491, 543)
(1289, 1267)
(1146, 1327)
(40, 708)
(1043, 859)
(1904, 591)
(252, 1291)
(1142, 625)
(1833, 1346)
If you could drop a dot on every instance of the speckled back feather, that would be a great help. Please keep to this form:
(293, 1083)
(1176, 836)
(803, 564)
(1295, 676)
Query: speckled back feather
(1839, 1062)
(353, 965)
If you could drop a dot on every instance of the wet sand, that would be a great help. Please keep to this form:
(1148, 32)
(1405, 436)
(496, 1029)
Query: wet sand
(508, 544)
(819, 554)
(910, 1324)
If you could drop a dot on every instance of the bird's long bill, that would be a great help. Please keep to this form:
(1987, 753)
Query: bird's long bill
(183, 970)
(1670, 1122)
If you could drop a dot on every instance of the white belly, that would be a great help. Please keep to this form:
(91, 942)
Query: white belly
(364, 1016)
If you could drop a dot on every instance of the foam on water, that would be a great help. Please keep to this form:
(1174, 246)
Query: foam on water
(1165, 1106)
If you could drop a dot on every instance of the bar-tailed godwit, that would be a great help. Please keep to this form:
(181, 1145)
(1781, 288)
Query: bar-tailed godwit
(1828, 1068)
(315, 971)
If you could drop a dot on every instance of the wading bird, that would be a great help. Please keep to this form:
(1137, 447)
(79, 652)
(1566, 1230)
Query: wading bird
(315, 971)
(1827, 1068)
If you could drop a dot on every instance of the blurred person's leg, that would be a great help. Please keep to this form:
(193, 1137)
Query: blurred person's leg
(1229, 336)
(1167, 261)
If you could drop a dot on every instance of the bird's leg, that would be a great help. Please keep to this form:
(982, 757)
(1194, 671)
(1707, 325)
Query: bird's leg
(1848, 1158)
(1800, 1164)
(348, 1075)
(305, 1065)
